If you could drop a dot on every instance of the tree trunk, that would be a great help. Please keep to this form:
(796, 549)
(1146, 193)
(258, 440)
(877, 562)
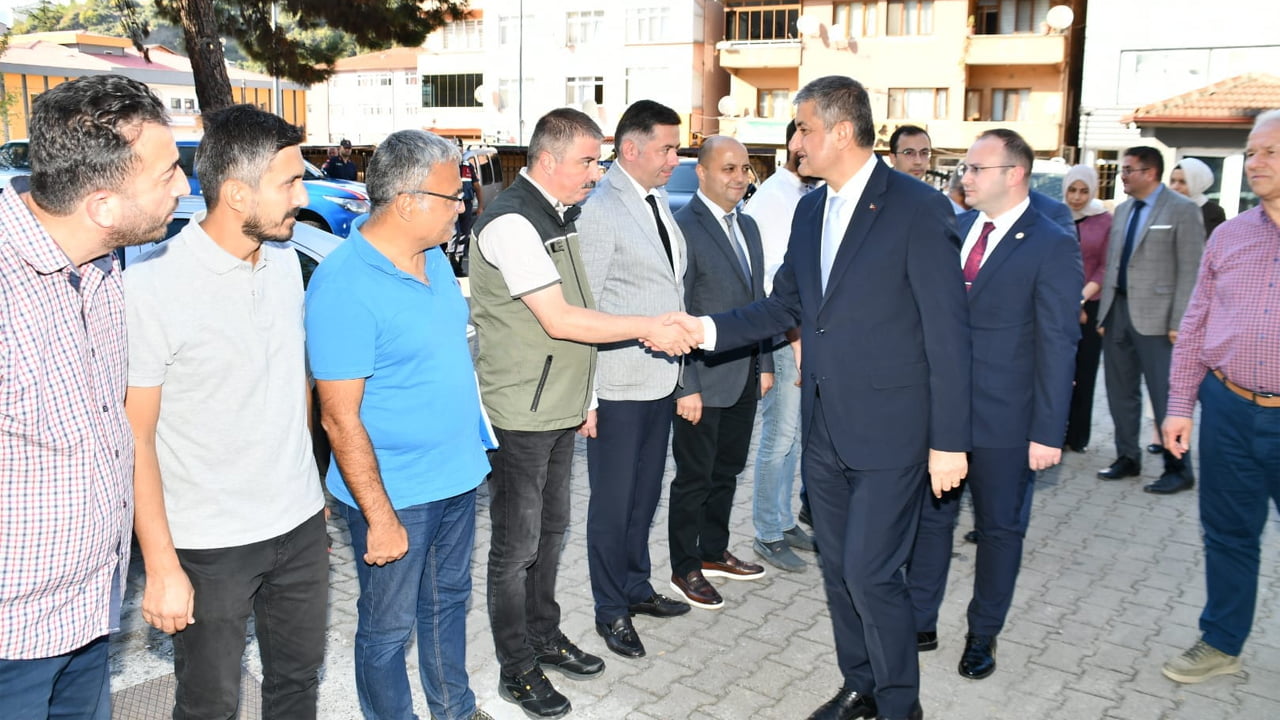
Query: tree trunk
(204, 48)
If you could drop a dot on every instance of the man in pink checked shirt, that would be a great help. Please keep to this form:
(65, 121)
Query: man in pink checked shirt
(1228, 356)
(104, 174)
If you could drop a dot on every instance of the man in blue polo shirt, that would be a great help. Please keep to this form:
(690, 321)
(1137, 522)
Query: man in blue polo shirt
(386, 336)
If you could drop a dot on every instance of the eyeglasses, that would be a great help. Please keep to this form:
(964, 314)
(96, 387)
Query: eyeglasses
(913, 153)
(458, 199)
(976, 169)
(1126, 171)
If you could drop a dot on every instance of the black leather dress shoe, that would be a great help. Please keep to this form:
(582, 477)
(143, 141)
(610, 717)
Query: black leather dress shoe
(1155, 448)
(805, 517)
(973, 536)
(569, 659)
(620, 636)
(659, 606)
(535, 695)
(926, 641)
(846, 705)
(979, 658)
(1170, 483)
(1120, 469)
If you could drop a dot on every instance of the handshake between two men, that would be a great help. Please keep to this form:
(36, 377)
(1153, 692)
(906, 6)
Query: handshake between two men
(675, 333)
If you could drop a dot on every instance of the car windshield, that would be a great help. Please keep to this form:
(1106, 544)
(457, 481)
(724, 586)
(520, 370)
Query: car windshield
(14, 155)
(683, 178)
(312, 172)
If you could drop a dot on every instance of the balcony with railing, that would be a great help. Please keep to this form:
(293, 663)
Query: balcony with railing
(760, 34)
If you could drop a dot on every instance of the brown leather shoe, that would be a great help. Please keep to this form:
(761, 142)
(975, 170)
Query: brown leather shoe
(695, 588)
(732, 568)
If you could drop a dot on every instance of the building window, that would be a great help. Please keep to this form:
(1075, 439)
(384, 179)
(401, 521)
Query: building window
(175, 103)
(509, 29)
(918, 103)
(463, 35)
(910, 17)
(973, 105)
(583, 27)
(578, 91)
(761, 21)
(859, 18)
(373, 79)
(649, 83)
(509, 93)
(1005, 17)
(410, 79)
(648, 25)
(1010, 105)
(773, 103)
(452, 91)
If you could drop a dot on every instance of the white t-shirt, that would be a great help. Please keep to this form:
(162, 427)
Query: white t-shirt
(224, 339)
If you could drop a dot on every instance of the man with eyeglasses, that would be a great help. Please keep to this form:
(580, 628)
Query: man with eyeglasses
(1154, 251)
(910, 150)
(387, 339)
(1023, 274)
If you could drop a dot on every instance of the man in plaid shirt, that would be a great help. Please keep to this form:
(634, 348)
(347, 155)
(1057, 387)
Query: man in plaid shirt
(104, 174)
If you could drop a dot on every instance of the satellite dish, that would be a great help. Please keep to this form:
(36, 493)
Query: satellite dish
(808, 25)
(480, 93)
(726, 105)
(1059, 17)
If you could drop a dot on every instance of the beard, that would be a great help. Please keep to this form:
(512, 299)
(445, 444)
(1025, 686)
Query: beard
(257, 228)
(141, 227)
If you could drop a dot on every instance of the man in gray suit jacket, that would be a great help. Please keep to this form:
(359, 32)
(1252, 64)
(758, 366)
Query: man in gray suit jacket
(716, 403)
(1152, 260)
(634, 253)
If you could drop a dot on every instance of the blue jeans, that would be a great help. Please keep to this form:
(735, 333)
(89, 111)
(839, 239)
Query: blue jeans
(779, 451)
(74, 686)
(1239, 473)
(429, 586)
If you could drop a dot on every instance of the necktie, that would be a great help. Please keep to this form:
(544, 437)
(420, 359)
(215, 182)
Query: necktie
(737, 247)
(1122, 280)
(832, 233)
(974, 262)
(662, 228)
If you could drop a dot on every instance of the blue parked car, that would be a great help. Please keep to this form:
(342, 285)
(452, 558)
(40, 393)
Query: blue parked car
(333, 203)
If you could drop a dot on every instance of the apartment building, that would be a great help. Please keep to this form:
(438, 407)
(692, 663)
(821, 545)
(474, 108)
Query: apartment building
(367, 98)
(954, 67)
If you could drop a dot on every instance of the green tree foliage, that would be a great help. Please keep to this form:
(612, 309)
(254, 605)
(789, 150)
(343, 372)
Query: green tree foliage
(309, 37)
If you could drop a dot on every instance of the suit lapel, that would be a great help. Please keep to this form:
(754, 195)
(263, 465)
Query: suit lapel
(716, 231)
(864, 216)
(1157, 208)
(1008, 245)
(755, 253)
(642, 214)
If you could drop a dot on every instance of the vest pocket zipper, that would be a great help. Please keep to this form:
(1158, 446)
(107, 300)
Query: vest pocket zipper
(542, 382)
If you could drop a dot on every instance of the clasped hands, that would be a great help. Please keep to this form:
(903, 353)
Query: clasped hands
(675, 333)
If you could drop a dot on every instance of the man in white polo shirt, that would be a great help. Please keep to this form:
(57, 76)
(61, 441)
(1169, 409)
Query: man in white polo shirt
(229, 508)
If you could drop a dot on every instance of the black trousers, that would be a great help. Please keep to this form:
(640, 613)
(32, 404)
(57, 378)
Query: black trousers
(709, 457)
(865, 523)
(284, 582)
(1088, 353)
(625, 464)
(529, 509)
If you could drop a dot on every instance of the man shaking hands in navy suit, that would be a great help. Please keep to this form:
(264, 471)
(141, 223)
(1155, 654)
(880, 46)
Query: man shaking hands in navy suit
(872, 278)
(1023, 275)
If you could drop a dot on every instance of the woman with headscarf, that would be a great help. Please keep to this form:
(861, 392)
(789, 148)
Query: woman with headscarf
(1191, 177)
(1093, 226)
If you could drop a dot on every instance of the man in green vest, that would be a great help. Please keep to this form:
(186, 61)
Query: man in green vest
(536, 325)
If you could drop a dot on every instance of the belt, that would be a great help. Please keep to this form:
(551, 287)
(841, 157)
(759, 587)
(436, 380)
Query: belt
(1267, 400)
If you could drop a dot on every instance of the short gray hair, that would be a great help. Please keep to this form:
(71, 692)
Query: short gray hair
(1263, 118)
(402, 161)
(558, 130)
(838, 98)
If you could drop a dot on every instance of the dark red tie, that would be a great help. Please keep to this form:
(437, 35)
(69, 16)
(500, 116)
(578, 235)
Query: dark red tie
(974, 261)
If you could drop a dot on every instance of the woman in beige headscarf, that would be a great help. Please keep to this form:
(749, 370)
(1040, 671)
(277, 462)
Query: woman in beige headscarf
(1093, 226)
(1192, 178)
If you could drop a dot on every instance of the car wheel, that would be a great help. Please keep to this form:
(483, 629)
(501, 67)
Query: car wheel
(314, 222)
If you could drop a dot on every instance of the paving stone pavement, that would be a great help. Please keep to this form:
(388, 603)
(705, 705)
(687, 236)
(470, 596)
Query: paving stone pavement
(1111, 586)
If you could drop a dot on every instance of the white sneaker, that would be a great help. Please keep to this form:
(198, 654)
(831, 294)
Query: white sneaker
(1200, 663)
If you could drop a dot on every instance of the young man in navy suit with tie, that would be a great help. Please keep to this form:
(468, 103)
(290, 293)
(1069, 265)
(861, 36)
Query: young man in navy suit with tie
(1023, 276)
(872, 279)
